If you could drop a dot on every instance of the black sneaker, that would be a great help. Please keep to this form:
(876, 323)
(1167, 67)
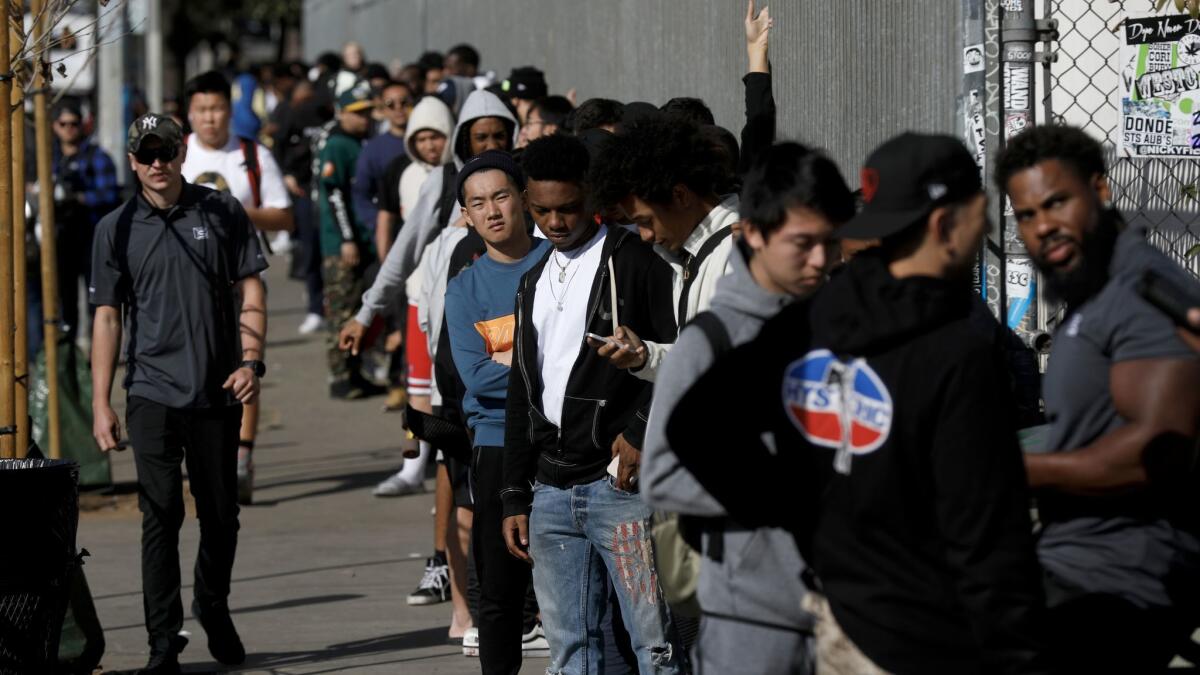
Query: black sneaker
(165, 661)
(223, 641)
(435, 584)
(354, 389)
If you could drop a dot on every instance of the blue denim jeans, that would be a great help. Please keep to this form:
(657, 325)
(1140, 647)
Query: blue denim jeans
(584, 540)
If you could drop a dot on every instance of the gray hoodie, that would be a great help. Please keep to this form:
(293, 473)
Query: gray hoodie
(421, 226)
(758, 578)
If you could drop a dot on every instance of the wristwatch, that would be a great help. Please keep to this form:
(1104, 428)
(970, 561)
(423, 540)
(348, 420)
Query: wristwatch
(257, 366)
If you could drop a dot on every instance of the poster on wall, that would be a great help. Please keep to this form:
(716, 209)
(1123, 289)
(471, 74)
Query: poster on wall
(1160, 86)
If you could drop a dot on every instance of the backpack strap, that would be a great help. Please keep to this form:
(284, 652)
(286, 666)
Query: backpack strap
(693, 527)
(448, 198)
(253, 170)
(254, 175)
(691, 268)
(714, 329)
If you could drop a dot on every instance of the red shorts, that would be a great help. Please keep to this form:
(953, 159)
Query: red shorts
(416, 352)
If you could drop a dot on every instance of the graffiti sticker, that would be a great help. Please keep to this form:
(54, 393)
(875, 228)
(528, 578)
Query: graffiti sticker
(1159, 96)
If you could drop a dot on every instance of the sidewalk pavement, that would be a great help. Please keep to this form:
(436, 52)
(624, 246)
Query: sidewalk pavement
(323, 568)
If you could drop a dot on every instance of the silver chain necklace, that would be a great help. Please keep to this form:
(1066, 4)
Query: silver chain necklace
(562, 269)
(562, 279)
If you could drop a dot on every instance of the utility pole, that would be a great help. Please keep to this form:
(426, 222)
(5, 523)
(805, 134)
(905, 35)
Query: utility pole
(8, 428)
(154, 55)
(1018, 282)
(110, 82)
(50, 303)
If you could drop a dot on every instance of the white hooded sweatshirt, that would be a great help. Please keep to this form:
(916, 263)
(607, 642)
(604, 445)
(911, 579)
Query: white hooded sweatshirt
(422, 224)
(429, 115)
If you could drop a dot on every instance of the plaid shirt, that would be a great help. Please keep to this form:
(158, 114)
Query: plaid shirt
(91, 173)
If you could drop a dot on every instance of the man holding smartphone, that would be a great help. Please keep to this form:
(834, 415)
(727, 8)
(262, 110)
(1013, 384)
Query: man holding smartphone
(1120, 542)
(183, 262)
(567, 403)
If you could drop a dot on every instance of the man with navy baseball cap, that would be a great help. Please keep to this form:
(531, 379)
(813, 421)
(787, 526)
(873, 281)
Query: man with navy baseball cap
(894, 409)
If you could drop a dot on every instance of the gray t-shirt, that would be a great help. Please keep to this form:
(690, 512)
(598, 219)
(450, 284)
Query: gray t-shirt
(1119, 545)
(174, 273)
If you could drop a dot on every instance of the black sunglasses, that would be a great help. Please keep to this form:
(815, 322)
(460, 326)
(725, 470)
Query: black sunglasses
(166, 153)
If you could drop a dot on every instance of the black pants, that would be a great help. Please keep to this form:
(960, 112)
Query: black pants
(503, 580)
(306, 259)
(206, 439)
(1109, 634)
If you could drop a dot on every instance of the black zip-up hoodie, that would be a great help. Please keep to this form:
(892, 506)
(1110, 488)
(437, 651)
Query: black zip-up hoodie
(897, 466)
(601, 401)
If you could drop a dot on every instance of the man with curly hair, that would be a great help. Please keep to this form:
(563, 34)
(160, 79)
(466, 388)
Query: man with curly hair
(663, 177)
(1116, 487)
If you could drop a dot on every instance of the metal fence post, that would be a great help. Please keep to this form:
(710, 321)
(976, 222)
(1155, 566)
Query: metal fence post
(1019, 278)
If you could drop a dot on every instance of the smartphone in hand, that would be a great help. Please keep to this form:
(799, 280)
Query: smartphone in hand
(610, 341)
(1168, 296)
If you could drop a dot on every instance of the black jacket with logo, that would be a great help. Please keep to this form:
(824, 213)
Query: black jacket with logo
(892, 455)
(601, 401)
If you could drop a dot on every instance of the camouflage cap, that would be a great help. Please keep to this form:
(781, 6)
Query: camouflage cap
(153, 124)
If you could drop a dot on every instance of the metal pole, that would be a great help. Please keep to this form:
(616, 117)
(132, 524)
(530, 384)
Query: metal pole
(1018, 36)
(993, 260)
(49, 245)
(7, 408)
(20, 296)
(154, 55)
(110, 82)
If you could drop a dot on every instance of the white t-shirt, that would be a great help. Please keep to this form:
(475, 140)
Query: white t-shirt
(560, 317)
(225, 170)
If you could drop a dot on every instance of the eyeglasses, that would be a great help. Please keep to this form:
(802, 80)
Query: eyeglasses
(165, 153)
(402, 103)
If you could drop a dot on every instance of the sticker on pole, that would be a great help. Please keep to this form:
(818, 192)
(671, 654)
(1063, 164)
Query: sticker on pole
(1159, 96)
(836, 404)
(1021, 288)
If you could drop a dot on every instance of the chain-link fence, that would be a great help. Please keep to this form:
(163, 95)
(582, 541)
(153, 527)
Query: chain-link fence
(1116, 82)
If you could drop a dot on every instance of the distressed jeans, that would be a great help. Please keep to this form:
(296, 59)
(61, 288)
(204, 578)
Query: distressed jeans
(578, 536)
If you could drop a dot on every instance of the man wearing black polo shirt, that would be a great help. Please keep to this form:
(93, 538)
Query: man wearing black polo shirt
(181, 260)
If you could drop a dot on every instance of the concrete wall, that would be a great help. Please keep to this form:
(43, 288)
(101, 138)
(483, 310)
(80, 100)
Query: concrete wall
(848, 73)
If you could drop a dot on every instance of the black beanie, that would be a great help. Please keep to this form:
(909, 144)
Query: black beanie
(491, 159)
(527, 83)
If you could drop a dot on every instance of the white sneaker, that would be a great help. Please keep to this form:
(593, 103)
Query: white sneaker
(312, 324)
(534, 642)
(282, 243)
(471, 642)
(397, 486)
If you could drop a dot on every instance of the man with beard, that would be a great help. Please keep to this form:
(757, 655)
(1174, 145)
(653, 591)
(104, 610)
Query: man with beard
(1119, 546)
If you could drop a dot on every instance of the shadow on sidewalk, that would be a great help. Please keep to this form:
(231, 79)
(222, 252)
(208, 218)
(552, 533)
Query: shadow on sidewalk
(282, 604)
(276, 575)
(345, 482)
(387, 644)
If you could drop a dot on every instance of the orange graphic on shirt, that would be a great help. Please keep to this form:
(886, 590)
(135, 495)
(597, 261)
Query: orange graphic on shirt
(497, 333)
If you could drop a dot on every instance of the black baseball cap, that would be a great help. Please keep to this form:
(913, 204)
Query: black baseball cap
(490, 159)
(906, 178)
(525, 82)
(153, 124)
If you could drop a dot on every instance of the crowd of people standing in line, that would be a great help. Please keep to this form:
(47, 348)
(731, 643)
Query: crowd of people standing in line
(695, 404)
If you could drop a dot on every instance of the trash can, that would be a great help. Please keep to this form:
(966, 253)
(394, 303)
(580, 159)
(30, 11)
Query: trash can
(40, 502)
